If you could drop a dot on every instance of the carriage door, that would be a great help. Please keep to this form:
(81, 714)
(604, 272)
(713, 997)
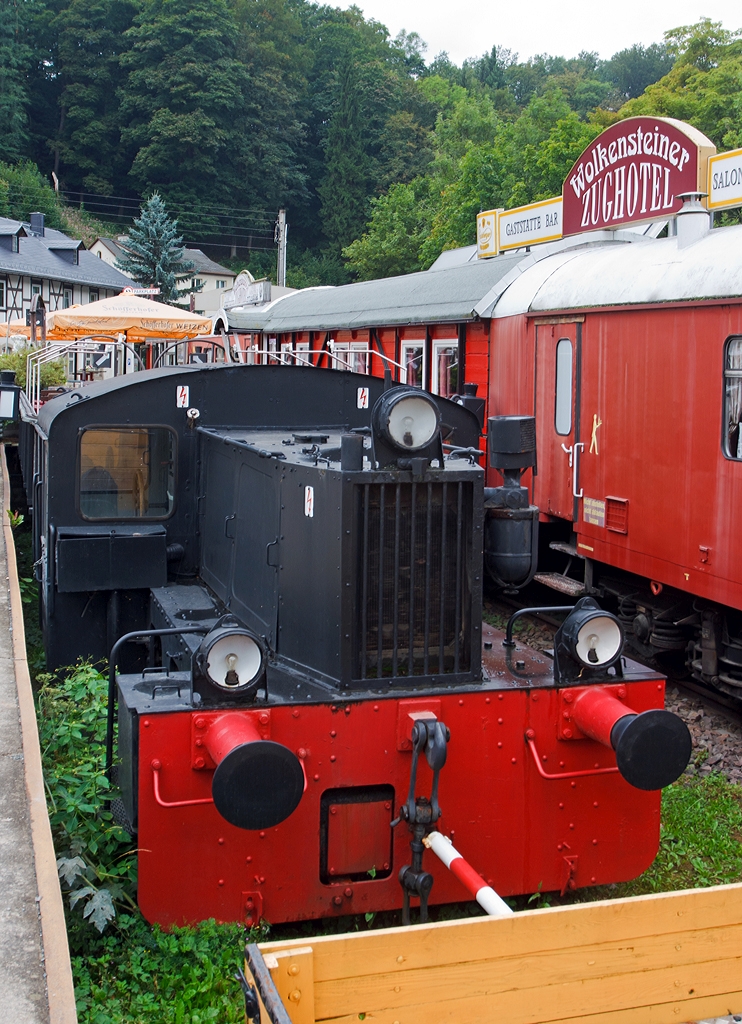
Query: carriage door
(556, 485)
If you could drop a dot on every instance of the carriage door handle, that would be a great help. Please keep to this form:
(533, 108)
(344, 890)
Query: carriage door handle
(568, 451)
(575, 462)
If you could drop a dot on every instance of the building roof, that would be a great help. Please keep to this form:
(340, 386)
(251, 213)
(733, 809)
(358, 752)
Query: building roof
(203, 265)
(109, 243)
(620, 274)
(37, 258)
(447, 295)
(11, 227)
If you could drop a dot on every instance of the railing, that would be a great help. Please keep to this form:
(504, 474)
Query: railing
(54, 351)
(339, 358)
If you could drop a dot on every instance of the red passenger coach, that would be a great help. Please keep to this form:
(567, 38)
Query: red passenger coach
(629, 355)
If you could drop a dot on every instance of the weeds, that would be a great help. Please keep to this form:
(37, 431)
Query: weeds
(96, 859)
(131, 972)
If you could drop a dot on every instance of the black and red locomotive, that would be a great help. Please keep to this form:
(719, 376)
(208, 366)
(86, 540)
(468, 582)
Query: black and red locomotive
(284, 566)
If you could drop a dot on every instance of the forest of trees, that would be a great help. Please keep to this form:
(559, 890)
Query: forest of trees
(230, 109)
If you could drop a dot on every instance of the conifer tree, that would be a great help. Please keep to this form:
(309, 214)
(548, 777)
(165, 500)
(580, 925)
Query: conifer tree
(153, 252)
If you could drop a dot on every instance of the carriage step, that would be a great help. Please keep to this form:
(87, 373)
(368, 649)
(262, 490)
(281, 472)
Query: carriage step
(563, 584)
(567, 549)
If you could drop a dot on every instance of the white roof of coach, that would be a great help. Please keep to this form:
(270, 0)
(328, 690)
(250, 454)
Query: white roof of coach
(621, 273)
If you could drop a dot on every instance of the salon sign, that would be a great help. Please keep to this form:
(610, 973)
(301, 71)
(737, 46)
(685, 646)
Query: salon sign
(635, 171)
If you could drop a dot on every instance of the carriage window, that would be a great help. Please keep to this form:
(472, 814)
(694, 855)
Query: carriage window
(127, 473)
(563, 405)
(445, 368)
(733, 399)
(413, 354)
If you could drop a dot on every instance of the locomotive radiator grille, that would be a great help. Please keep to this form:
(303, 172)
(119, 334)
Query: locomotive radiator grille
(414, 594)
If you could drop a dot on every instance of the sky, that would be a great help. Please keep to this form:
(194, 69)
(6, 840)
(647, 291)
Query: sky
(469, 28)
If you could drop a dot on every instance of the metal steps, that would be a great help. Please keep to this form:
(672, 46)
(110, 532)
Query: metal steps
(563, 584)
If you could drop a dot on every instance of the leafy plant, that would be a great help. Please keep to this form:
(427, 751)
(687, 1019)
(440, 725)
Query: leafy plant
(97, 863)
(125, 971)
(16, 518)
(51, 373)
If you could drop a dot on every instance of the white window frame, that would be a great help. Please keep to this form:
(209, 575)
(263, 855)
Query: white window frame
(340, 355)
(439, 345)
(65, 293)
(359, 357)
(287, 353)
(3, 291)
(404, 348)
(93, 292)
(302, 353)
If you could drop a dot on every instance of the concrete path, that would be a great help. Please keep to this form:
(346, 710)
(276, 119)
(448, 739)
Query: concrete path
(35, 975)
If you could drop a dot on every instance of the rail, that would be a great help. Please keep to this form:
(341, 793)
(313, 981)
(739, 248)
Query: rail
(340, 358)
(95, 344)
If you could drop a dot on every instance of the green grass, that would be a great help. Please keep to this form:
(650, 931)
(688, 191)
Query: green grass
(701, 838)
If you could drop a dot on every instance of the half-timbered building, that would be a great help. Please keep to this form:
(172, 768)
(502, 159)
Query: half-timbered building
(37, 260)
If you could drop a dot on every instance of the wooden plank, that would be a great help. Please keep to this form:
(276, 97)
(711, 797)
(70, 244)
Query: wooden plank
(572, 965)
(526, 933)
(679, 1012)
(646, 960)
(447, 995)
(293, 974)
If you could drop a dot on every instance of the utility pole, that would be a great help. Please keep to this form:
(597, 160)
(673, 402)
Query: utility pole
(279, 237)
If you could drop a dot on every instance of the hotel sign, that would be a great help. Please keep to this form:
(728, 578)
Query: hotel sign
(725, 180)
(634, 171)
(529, 225)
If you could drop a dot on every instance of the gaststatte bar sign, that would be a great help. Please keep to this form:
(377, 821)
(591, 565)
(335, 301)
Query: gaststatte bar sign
(529, 225)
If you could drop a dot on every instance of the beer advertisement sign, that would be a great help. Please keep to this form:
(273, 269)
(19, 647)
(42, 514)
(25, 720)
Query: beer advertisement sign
(487, 234)
(635, 171)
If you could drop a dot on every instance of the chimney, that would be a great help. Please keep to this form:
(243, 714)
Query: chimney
(693, 221)
(37, 224)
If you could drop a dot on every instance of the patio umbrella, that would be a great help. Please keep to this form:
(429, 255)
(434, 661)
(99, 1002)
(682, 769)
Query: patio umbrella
(128, 314)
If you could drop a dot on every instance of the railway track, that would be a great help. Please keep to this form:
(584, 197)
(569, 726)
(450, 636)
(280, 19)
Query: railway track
(714, 720)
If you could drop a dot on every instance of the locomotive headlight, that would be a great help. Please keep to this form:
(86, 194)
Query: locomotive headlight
(407, 418)
(598, 641)
(233, 659)
(589, 638)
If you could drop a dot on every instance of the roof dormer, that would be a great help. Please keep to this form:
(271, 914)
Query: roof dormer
(10, 232)
(67, 249)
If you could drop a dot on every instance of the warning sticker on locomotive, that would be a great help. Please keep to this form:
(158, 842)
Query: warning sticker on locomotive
(363, 398)
(309, 502)
(593, 511)
(181, 396)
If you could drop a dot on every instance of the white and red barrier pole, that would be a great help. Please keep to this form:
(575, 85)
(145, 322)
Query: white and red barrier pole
(484, 894)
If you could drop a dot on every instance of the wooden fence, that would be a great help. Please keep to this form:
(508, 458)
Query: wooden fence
(662, 959)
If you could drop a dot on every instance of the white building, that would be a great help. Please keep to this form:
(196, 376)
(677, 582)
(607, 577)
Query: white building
(215, 278)
(36, 260)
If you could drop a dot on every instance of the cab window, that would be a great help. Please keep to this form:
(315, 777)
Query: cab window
(127, 473)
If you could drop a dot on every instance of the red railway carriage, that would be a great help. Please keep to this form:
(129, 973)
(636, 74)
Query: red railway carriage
(629, 357)
(422, 327)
